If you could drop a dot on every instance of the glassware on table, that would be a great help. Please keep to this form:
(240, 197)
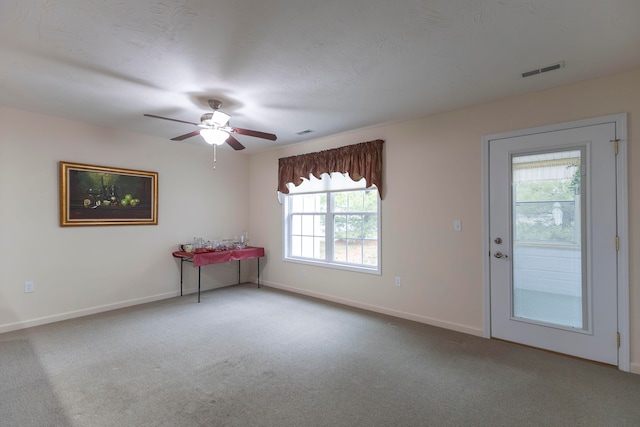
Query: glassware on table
(198, 243)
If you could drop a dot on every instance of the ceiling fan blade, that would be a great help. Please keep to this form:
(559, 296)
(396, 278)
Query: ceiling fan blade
(173, 120)
(186, 135)
(234, 143)
(255, 133)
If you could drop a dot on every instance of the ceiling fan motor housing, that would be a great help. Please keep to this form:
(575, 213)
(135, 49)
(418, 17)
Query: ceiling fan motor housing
(215, 104)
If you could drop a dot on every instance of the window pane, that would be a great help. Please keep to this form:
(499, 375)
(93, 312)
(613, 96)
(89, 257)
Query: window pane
(340, 226)
(321, 224)
(370, 201)
(354, 226)
(320, 245)
(370, 252)
(546, 221)
(322, 202)
(545, 186)
(340, 202)
(296, 203)
(296, 224)
(370, 227)
(309, 204)
(355, 201)
(354, 251)
(307, 247)
(318, 226)
(340, 250)
(296, 246)
(307, 225)
(548, 280)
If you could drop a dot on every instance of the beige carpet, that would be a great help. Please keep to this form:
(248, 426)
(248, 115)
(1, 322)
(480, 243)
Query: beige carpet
(262, 357)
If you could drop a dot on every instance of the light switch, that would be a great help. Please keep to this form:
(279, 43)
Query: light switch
(457, 225)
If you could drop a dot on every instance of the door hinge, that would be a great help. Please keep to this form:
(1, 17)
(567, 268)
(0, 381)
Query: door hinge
(618, 339)
(617, 243)
(615, 145)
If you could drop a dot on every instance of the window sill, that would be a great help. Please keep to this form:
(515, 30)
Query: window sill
(335, 266)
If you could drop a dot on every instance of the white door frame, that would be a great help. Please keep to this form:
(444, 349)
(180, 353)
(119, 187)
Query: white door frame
(620, 120)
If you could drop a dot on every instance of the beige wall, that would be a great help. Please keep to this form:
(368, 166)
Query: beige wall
(80, 270)
(432, 177)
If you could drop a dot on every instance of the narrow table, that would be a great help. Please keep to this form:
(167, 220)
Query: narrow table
(201, 258)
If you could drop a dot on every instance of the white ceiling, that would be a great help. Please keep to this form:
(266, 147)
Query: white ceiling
(283, 66)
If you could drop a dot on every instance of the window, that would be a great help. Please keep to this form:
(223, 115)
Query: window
(338, 228)
(547, 198)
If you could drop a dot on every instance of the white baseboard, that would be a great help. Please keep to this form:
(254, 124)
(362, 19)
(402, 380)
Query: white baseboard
(84, 312)
(24, 324)
(377, 309)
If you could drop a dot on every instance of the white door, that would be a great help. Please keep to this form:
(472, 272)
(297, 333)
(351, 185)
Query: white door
(552, 226)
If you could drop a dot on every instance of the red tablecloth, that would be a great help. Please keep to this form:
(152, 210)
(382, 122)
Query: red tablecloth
(210, 257)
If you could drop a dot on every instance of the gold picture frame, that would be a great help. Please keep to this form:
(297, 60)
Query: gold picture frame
(101, 195)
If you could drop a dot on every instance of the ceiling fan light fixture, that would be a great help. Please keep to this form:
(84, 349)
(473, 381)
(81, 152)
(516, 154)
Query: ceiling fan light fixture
(214, 136)
(219, 118)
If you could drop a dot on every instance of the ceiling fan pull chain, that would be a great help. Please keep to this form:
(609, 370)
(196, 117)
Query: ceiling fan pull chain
(214, 156)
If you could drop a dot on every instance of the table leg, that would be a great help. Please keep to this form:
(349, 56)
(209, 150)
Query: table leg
(199, 283)
(258, 271)
(181, 262)
(238, 272)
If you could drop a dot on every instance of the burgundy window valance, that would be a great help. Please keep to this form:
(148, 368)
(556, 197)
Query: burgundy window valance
(362, 160)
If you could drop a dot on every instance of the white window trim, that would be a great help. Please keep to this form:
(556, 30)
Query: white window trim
(337, 182)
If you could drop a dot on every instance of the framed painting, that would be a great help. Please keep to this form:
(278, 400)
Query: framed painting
(100, 195)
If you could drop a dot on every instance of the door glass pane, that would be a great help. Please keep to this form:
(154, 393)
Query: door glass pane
(548, 257)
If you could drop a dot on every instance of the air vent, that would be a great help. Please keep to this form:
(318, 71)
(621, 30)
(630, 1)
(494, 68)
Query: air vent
(304, 132)
(543, 70)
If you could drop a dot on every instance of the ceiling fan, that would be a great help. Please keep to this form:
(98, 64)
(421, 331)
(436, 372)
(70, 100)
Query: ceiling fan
(215, 128)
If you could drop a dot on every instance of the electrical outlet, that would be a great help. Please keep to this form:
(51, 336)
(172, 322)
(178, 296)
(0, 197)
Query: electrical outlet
(457, 225)
(28, 287)
(398, 281)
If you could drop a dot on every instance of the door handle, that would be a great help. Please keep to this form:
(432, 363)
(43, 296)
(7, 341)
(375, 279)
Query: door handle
(500, 255)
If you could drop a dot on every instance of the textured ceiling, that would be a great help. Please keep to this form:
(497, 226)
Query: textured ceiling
(283, 66)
